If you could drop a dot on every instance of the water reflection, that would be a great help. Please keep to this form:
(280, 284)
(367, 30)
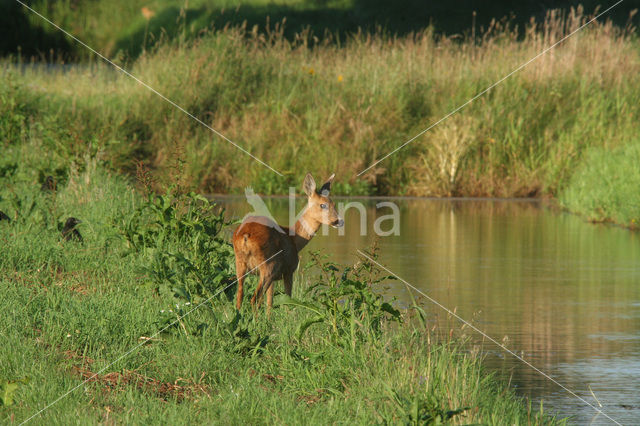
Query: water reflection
(564, 293)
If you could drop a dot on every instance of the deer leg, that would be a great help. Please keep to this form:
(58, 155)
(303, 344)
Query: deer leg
(263, 284)
(269, 291)
(241, 270)
(288, 284)
(257, 294)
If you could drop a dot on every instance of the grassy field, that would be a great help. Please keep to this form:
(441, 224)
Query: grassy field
(339, 107)
(73, 311)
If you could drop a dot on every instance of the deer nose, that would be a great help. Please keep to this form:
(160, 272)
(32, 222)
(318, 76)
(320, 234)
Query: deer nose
(337, 223)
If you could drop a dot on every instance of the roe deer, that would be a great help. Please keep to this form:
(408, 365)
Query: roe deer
(260, 243)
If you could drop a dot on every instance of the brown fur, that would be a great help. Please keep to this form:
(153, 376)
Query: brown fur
(260, 243)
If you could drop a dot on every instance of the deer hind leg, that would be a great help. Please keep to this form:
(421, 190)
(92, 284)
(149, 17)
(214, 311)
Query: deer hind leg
(269, 291)
(241, 271)
(258, 293)
(263, 284)
(288, 284)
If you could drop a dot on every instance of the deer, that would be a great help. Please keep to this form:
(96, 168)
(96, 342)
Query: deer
(261, 244)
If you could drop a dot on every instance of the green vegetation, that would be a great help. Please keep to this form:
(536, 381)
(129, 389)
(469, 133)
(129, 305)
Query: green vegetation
(339, 107)
(605, 187)
(151, 275)
(156, 272)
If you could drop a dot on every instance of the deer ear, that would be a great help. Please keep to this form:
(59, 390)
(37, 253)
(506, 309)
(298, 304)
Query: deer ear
(309, 185)
(326, 187)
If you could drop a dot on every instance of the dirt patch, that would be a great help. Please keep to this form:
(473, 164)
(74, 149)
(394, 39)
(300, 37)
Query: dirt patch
(311, 399)
(179, 390)
(267, 377)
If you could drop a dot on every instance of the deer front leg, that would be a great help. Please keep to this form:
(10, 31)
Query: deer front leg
(288, 284)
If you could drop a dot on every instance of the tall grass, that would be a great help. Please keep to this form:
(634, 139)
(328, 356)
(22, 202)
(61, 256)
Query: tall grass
(338, 108)
(71, 309)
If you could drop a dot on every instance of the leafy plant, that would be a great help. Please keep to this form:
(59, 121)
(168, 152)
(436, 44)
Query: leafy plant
(423, 409)
(241, 338)
(8, 169)
(30, 208)
(8, 389)
(343, 299)
(180, 236)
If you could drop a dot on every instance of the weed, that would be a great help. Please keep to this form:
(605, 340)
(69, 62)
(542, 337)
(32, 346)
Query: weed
(8, 389)
(180, 235)
(343, 299)
(424, 410)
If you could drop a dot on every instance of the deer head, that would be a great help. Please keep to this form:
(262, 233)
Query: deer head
(320, 209)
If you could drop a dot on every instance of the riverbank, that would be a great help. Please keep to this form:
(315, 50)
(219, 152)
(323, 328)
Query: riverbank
(340, 107)
(149, 276)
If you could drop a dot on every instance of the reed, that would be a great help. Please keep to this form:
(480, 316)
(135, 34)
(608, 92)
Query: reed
(303, 104)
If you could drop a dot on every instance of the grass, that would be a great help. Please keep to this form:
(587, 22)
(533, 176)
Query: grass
(605, 187)
(72, 309)
(339, 107)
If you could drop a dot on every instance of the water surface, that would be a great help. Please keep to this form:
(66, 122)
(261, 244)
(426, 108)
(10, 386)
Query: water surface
(563, 293)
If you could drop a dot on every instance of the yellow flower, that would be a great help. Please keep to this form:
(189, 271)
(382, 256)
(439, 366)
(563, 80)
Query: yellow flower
(311, 71)
(147, 13)
(340, 78)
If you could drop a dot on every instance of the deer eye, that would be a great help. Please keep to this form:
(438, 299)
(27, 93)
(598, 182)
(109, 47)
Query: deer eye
(323, 206)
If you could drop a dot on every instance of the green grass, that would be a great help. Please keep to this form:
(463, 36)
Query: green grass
(337, 108)
(302, 103)
(72, 309)
(605, 187)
